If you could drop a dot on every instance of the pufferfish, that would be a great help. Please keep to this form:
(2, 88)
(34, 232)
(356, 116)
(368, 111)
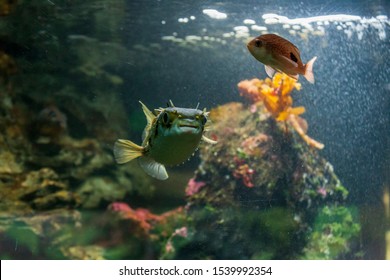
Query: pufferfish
(279, 54)
(170, 137)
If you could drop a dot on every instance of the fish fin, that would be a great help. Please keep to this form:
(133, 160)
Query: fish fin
(149, 115)
(293, 76)
(269, 70)
(125, 151)
(309, 75)
(208, 140)
(208, 126)
(287, 62)
(154, 169)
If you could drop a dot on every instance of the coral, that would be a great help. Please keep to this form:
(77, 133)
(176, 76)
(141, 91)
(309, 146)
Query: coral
(275, 94)
(169, 247)
(194, 186)
(142, 217)
(244, 172)
(143, 233)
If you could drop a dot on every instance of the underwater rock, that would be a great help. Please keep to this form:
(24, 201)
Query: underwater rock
(333, 228)
(9, 164)
(7, 66)
(262, 188)
(49, 125)
(40, 235)
(44, 223)
(92, 252)
(42, 189)
(6, 6)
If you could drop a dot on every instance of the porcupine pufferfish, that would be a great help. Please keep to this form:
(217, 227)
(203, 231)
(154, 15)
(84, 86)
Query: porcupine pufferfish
(170, 137)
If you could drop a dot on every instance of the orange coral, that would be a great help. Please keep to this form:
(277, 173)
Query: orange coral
(275, 94)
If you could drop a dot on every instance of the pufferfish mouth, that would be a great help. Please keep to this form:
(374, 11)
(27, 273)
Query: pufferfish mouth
(189, 125)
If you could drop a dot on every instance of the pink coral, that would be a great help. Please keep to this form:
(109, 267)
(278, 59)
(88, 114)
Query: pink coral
(169, 247)
(245, 173)
(322, 191)
(141, 217)
(255, 145)
(183, 232)
(194, 186)
(119, 207)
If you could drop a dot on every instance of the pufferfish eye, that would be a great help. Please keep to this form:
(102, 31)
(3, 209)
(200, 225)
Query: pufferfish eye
(165, 118)
(258, 43)
(204, 120)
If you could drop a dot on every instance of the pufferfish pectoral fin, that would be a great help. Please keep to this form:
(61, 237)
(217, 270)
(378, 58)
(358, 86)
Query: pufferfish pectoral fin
(208, 140)
(154, 169)
(125, 151)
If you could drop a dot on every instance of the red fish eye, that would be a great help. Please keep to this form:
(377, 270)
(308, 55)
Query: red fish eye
(258, 43)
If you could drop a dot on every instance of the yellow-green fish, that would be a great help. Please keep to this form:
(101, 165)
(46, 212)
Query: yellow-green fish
(170, 137)
(279, 54)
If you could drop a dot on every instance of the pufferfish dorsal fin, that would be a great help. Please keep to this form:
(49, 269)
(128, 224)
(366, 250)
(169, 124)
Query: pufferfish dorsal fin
(150, 117)
(153, 168)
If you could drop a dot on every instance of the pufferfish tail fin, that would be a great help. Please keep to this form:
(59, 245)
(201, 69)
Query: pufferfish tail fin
(154, 169)
(309, 75)
(125, 151)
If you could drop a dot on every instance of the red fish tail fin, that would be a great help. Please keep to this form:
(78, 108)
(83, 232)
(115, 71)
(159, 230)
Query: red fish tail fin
(309, 75)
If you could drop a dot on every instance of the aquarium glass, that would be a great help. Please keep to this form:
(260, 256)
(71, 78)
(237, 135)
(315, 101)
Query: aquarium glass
(148, 130)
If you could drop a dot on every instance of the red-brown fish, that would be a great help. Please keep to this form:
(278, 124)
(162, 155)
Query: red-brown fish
(279, 54)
